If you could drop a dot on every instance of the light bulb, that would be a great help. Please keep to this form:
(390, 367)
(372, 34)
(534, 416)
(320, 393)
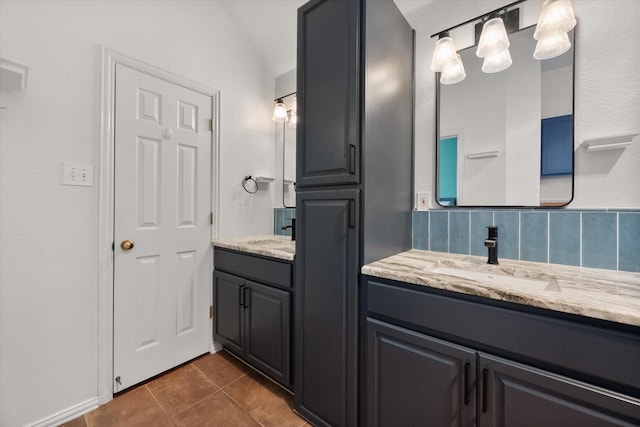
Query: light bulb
(493, 38)
(556, 17)
(444, 54)
(552, 47)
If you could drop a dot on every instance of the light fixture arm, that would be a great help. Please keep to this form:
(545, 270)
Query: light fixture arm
(480, 17)
(280, 98)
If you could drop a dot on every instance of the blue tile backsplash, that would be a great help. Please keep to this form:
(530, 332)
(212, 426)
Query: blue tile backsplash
(608, 239)
(534, 236)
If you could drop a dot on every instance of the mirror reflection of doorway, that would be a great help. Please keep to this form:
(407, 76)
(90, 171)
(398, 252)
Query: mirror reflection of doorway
(448, 171)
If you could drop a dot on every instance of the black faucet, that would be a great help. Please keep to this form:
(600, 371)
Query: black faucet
(492, 243)
(292, 226)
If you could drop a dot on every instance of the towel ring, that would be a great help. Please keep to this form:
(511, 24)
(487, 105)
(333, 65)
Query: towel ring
(244, 184)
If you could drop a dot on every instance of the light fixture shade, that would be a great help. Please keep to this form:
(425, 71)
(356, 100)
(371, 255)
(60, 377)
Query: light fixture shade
(497, 61)
(444, 55)
(556, 17)
(453, 74)
(493, 38)
(280, 112)
(552, 47)
(293, 120)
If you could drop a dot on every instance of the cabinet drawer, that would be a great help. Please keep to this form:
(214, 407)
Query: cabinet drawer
(604, 356)
(254, 267)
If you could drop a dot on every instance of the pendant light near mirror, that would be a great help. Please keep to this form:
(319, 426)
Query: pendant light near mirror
(280, 112)
(555, 21)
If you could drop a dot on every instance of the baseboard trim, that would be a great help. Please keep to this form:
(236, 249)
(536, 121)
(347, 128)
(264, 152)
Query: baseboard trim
(67, 414)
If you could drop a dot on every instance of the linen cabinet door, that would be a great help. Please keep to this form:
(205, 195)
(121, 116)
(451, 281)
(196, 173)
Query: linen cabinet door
(516, 395)
(268, 331)
(327, 260)
(417, 380)
(228, 322)
(327, 93)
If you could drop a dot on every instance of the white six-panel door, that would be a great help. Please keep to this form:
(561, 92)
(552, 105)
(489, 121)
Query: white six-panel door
(162, 205)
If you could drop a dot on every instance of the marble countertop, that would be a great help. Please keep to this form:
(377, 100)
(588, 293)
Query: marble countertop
(280, 247)
(602, 294)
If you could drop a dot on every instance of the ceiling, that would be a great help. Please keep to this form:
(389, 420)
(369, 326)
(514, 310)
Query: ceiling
(270, 26)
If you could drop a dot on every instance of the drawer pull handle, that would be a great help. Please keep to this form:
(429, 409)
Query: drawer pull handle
(485, 375)
(466, 383)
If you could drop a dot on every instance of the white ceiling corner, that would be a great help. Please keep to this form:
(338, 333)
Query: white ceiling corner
(270, 26)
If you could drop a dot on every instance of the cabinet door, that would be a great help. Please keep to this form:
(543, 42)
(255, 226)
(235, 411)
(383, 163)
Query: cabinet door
(228, 320)
(516, 395)
(327, 93)
(327, 259)
(414, 379)
(267, 341)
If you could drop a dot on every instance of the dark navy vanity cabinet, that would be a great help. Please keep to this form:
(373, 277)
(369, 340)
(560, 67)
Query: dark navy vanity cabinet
(253, 311)
(354, 186)
(440, 358)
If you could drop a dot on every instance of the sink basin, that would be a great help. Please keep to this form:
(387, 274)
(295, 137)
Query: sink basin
(500, 279)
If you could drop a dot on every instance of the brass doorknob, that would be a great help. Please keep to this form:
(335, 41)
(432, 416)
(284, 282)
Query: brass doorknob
(127, 245)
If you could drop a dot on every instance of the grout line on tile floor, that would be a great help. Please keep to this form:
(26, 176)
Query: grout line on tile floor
(157, 401)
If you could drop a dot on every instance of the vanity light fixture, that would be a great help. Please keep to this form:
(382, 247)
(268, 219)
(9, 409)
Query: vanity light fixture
(493, 39)
(494, 46)
(445, 54)
(555, 21)
(556, 17)
(280, 112)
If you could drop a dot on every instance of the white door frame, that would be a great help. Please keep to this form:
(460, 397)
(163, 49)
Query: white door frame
(106, 190)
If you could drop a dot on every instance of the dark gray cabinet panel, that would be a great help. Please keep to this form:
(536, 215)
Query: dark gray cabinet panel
(326, 329)
(254, 267)
(413, 379)
(327, 93)
(229, 320)
(267, 341)
(528, 384)
(253, 321)
(516, 395)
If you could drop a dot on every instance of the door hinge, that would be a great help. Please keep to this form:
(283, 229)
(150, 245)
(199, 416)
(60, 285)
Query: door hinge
(210, 312)
(211, 218)
(212, 124)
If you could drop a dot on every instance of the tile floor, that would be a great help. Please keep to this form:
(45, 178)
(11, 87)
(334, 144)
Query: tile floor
(212, 390)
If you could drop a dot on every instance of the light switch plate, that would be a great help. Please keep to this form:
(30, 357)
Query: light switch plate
(77, 174)
(423, 201)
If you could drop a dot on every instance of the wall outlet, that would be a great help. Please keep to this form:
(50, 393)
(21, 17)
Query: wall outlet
(423, 201)
(77, 174)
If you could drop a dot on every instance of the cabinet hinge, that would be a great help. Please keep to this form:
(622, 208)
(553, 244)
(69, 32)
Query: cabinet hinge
(210, 312)
(211, 218)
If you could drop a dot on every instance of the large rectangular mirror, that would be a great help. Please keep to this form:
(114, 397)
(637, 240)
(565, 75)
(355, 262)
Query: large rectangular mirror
(506, 138)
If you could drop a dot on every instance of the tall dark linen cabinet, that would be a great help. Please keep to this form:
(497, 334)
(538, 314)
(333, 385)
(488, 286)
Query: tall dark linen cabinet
(354, 185)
